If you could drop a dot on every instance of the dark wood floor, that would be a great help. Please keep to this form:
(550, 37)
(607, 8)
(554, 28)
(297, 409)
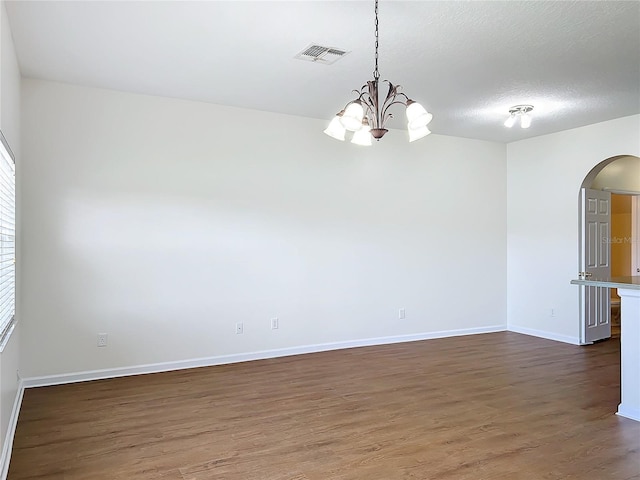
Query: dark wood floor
(499, 406)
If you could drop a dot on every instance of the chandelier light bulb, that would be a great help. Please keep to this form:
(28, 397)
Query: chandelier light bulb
(525, 120)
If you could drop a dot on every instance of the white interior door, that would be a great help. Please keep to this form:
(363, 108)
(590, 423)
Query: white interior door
(595, 262)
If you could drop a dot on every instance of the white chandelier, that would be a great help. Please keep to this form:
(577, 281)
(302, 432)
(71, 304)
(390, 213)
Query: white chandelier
(519, 112)
(366, 116)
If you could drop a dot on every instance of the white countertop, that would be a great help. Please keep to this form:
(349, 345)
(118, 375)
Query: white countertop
(632, 283)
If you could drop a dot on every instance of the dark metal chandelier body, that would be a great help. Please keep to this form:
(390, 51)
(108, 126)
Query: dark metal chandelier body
(366, 115)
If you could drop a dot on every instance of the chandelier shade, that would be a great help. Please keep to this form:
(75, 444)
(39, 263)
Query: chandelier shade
(510, 122)
(352, 117)
(417, 115)
(367, 114)
(418, 133)
(335, 128)
(363, 136)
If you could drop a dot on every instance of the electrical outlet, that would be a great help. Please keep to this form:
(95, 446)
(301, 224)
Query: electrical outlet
(402, 314)
(274, 323)
(102, 339)
(239, 328)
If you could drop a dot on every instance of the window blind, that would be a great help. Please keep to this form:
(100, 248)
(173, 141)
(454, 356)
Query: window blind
(7, 241)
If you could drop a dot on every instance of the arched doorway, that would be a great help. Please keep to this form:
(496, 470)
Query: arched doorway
(609, 232)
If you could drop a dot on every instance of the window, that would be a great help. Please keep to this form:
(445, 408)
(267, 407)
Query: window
(7, 241)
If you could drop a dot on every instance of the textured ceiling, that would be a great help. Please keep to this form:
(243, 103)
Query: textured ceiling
(577, 62)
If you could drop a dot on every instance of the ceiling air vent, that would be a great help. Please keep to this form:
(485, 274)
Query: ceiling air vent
(320, 54)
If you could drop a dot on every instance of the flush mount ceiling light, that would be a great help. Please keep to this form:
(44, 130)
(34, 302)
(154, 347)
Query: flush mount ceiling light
(366, 116)
(522, 112)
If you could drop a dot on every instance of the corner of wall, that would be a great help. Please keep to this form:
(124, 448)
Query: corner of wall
(10, 117)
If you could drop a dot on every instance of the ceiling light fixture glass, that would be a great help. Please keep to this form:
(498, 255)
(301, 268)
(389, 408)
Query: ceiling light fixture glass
(366, 115)
(363, 135)
(521, 112)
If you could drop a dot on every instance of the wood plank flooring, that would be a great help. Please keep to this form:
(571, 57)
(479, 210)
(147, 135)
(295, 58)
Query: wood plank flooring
(499, 406)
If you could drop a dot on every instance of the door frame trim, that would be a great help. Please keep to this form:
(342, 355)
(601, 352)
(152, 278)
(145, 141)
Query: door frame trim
(635, 234)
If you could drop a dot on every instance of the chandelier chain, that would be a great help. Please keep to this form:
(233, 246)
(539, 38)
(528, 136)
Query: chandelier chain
(376, 73)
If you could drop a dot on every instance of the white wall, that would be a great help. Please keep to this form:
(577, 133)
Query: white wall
(10, 125)
(163, 223)
(544, 176)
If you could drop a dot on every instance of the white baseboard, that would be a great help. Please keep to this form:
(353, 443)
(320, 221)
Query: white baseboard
(544, 334)
(11, 431)
(628, 412)
(245, 357)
